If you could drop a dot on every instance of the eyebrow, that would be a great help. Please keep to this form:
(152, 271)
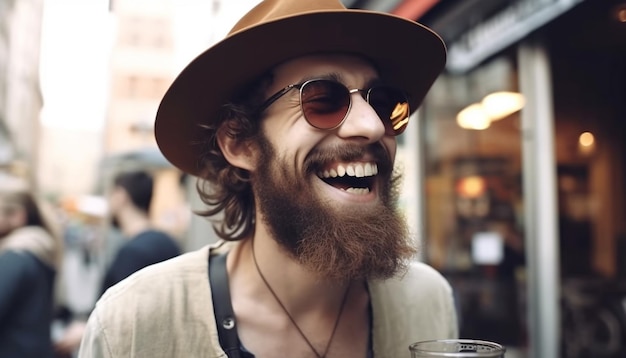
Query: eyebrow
(336, 76)
(333, 76)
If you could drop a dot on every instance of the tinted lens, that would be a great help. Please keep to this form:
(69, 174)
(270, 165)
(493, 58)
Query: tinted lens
(392, 106)
(324, 103)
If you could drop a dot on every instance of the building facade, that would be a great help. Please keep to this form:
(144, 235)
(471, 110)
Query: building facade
(523, 148)
(20, 93)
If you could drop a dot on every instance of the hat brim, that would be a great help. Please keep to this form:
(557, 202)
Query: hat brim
(407, 55)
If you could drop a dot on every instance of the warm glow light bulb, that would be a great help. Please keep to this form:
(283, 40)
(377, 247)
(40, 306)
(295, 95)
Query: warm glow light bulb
(586, 139)
(473, 117)
(471, 186)
(498, 105)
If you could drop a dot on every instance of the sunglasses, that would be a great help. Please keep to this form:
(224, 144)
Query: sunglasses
(326, 103)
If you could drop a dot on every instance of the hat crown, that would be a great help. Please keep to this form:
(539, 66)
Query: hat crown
(269, 10)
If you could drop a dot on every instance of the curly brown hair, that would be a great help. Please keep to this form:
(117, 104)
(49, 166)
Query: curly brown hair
(223, 187)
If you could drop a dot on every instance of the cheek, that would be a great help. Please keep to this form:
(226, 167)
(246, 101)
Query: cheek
(282, 119)
(4, 225)
(293, 138)
(391, 145)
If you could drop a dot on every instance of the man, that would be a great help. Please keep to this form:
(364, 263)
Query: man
(30, 255)
(290, 123)
(129, 204)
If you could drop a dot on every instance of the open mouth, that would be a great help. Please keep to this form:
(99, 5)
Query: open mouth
(355, 178)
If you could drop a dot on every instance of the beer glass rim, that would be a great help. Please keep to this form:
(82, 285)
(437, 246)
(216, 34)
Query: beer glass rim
(498, 352)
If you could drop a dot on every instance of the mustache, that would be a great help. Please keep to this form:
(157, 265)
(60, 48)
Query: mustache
(347, 153)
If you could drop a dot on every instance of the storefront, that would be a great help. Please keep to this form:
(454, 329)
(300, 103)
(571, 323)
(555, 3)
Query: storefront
(524, 152)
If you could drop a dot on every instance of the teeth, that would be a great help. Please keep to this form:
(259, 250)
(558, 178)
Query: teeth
(358, 191)
(368, 170)
(341, 170)
(358, 170)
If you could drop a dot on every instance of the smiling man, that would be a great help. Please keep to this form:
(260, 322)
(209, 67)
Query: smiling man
(290, 123)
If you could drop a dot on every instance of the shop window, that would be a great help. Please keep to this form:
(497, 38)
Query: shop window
(473, 198)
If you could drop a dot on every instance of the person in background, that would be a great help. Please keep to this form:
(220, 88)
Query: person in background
(290, 123)
(129, 203)
(30, 255)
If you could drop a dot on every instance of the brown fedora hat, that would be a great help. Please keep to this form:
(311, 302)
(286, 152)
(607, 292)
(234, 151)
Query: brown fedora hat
(407, 54)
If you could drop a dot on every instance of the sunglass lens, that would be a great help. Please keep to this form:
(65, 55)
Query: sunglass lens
(392, 106)
(324, 103)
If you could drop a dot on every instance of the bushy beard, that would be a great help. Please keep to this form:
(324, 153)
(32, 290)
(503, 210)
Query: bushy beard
(353, 243)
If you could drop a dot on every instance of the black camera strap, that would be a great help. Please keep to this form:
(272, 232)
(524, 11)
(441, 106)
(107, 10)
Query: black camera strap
(222, 307)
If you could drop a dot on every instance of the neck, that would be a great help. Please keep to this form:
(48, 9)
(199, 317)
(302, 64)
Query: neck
(133, 222)
(300, 290)
(305, 312)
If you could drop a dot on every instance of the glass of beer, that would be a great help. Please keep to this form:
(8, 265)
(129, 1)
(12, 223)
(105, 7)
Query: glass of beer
(456, 348)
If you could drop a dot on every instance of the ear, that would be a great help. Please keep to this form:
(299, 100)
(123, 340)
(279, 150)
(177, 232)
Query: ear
(238, 153)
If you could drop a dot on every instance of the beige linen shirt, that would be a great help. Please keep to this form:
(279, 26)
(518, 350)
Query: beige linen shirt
(165, 310)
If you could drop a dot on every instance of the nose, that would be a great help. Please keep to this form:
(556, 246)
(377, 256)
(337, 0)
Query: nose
(362, 121)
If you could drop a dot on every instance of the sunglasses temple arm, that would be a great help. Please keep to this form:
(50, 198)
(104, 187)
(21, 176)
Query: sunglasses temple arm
(274, 98)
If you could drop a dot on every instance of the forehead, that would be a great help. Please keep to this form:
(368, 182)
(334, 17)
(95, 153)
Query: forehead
(351, 70)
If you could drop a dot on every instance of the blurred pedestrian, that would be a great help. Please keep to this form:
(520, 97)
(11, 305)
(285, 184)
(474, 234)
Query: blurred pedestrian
(129, 204)
(30, 254)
